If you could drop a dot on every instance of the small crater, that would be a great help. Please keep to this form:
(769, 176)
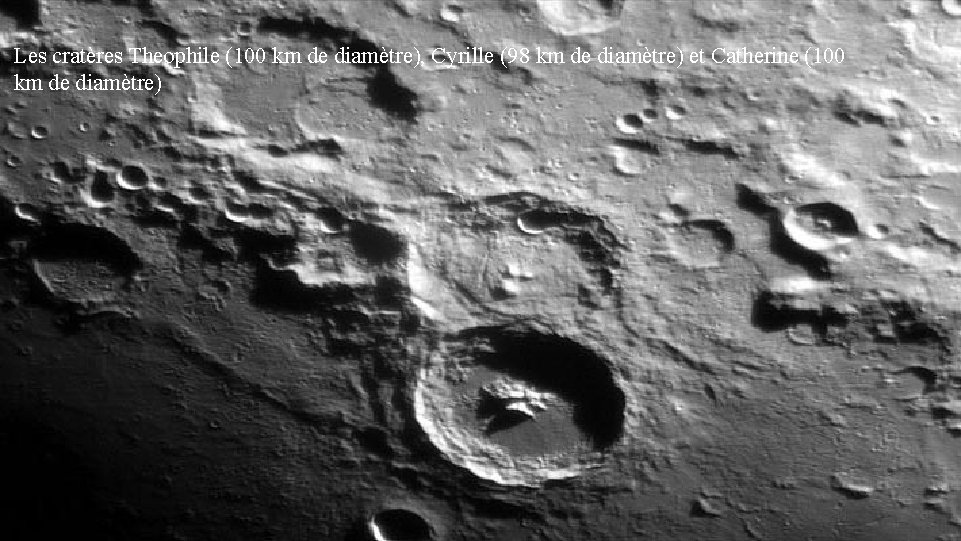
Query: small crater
(535, 222)
(587, 233)
(376, 244)
(158, 184)
(170, 203)
(133, 177)
(675, 112)
(199, 195)
(581, 17)
(820, 226)
(702, 243)
(399, 525)
(828, 218)
(101, 190)
(60, 172)
(236, 212)
(27, 213)
(331, 220)
(917, 381)
(39, 132)
(11, 225)
(808, 235)
(631, 156)
(878, 231)
(630, 123)
(244, 28)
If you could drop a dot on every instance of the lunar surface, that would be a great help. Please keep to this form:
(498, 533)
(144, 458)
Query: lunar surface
(457, 282)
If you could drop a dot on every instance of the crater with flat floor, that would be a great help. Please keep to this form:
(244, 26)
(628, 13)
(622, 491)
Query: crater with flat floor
(518, 406)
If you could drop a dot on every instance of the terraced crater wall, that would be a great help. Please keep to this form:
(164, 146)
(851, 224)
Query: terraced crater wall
(509, 270)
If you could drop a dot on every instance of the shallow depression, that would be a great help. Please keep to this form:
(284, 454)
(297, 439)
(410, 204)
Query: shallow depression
(702, 243)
